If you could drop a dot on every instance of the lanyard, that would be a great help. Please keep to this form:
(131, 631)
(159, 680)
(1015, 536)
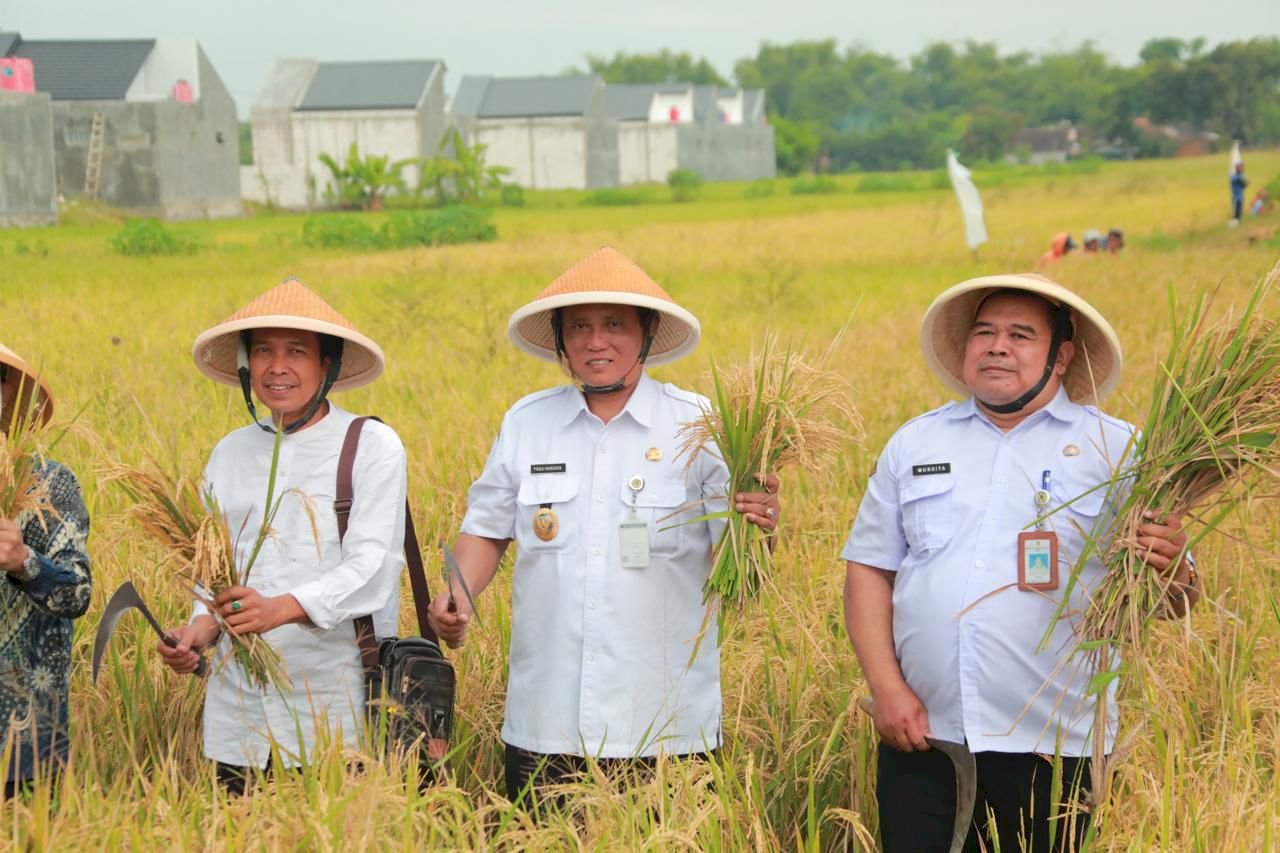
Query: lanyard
(1042, 498)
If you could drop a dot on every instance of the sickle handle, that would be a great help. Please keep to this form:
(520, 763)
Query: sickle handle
(202, 666)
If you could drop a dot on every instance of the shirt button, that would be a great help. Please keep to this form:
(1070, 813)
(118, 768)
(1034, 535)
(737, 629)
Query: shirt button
(599, 499)
(604, 449)
(979, 564)
(595, 552)
(591, 658)
(591, 605)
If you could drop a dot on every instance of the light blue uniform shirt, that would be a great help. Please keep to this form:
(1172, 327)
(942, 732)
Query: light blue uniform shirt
(966, 637)
(602, 656)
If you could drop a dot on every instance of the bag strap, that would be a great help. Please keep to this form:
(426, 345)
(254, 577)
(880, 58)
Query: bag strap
(412, 552)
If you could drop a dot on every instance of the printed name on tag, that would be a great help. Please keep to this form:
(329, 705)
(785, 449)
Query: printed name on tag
(932, 468)
(547, 468)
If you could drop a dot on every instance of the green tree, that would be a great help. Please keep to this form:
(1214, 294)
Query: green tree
(661, 67)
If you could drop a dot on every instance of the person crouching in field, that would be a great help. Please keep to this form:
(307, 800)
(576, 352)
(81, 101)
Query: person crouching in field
(307, 588)
(970, 525)
(47, 584)
(589, 482)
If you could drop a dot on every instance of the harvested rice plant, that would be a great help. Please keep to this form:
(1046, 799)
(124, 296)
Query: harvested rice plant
(113, 335)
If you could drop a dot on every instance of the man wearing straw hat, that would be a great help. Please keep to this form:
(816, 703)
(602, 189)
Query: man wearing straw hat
(971, 523)
(289, 348)
(46, 569)
(612, 655)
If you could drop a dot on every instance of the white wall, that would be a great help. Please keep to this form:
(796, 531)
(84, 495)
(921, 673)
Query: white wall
(660, 108)
(170, 60)
(730, 109)
(646, 152)
(548, 153)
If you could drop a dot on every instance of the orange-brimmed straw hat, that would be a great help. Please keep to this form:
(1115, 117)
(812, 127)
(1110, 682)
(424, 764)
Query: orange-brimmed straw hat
(605, 277)
(31, 380)
(1094, 370)
(288, 305)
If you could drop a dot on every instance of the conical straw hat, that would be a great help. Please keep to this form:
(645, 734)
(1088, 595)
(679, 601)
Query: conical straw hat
(605, 277)
(32, 380)
(1094, 370)
(288, 305)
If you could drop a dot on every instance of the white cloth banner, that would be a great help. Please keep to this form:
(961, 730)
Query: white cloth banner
(975, 229)
(1235, 157)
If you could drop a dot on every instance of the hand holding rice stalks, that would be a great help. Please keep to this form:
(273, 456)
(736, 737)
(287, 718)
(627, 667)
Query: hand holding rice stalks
(22, 491)
(191, 527)
(775, 410)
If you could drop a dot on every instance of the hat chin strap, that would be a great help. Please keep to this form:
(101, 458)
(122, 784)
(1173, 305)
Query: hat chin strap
(1061, 327)
(330, 376)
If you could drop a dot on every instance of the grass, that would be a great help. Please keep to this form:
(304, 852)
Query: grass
(114, 332)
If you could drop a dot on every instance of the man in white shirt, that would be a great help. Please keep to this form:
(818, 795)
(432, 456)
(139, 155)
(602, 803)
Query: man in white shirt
(306, 588)
(953, 577)
(588, 480)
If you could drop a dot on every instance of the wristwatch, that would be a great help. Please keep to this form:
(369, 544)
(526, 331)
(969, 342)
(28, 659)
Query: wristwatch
(1180, 590)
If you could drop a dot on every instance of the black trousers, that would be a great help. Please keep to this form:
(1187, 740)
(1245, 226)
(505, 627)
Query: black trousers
(917, 796)
(1237, 207)
(527, 771)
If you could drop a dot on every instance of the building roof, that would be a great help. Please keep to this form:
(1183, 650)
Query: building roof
(632, 101)
(391, 85)
(90, 70)
(7, 41)
(753, 106)
(525, 97)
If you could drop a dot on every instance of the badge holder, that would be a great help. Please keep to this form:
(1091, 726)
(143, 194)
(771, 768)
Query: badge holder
(1038, 549)
(633, 533)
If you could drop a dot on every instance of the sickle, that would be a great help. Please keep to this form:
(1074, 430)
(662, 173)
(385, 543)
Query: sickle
(126, 598)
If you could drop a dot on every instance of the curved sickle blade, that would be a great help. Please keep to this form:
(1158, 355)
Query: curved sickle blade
(125, 598)
(455, 573)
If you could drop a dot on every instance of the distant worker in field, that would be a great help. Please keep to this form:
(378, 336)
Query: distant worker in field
(1115, 241)
(308, 588)
(1059, 246)
(588, 480)
(1092, 241)
(1238, 183)
(1261, 203)
(970, 526)
(43, 554)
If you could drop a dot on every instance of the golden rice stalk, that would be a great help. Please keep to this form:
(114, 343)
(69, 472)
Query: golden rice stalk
(187, 523)
(1211, 435)
(775, 410)
(22, 491)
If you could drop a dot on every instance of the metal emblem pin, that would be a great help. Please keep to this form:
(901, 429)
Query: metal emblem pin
(1071, 450)
(546, 524)
(653, 454)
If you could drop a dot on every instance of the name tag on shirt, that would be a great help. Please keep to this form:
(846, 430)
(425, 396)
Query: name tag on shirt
(633, 544)
(931, 468)
(547, 468)
(1037, 561)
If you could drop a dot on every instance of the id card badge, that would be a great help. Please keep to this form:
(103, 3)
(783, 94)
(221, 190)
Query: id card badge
(633, 543)
(1037, 560)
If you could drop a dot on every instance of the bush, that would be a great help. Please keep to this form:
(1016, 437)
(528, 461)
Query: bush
(37, 248)
(341, 232)
(444, 227)
(145, 237)
(612, 197)
(760, 188)
(816, 185)
(686, 184)
(512, 195)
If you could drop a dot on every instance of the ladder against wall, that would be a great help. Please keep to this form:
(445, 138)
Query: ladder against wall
(93, 160)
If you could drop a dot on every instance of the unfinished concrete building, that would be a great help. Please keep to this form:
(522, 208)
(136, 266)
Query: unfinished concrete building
(720, 133)
(144, 124)
(308, 108)
(551, 132)
(28, 184)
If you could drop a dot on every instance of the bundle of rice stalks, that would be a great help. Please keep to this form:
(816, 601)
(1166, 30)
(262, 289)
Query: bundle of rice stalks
(187, 522)
(775, 410)
(21, 490)
(1209, 438)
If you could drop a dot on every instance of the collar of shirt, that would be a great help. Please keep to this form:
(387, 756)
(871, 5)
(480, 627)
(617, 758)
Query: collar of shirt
(1060, 407)
(639, 405)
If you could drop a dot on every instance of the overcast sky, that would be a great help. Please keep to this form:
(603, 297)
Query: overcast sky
(517, 37)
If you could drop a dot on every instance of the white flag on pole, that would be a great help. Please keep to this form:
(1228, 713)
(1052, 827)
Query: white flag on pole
(1235, 157)
(975, 229)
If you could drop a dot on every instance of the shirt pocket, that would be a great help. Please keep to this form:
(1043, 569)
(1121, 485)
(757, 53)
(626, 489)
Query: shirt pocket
(928, 519)
(1081, 507)
(659, 505)
(554, 492)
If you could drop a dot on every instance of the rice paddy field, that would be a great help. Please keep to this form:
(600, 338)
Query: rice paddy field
(113, 335)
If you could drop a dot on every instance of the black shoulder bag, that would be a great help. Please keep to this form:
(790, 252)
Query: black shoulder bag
(407, 678)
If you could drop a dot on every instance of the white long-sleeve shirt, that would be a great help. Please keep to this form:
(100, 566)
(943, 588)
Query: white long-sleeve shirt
(333, 583)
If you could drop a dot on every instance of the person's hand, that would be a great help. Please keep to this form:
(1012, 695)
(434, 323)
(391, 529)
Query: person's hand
(193, 638)
(450, 627)
(901, 719)
(761, 508)
(247, 611)
(13, 551)
(1161, 542)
